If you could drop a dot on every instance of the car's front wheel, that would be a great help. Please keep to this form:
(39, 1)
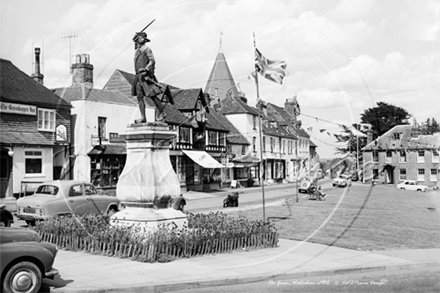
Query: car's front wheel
(22, 277)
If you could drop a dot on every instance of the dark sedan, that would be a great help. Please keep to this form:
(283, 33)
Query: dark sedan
(25, 260)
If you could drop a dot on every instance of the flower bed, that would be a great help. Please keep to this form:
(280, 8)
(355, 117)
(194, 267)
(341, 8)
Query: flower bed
(205, 234)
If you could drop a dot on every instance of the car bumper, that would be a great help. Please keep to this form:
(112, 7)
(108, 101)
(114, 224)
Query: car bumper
(32, 217)
(51, 274)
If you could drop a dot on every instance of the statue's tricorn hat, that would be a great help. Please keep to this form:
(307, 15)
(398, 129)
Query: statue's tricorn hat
(143, 34)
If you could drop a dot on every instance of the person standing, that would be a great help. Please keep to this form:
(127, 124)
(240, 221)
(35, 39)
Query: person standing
(145, 84)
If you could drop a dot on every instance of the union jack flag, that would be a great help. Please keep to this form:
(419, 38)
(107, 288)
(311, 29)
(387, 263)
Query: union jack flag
(272, 70)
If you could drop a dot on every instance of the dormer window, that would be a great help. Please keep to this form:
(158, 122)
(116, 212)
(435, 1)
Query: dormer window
(397, 136)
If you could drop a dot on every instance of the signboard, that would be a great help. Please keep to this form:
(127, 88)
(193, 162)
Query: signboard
(61, 132)
(18, 109)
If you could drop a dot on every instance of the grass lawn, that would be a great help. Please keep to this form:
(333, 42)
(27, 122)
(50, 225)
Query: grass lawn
(362, 218)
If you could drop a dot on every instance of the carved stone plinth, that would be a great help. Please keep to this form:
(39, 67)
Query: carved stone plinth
(148, 218)
(148, 181)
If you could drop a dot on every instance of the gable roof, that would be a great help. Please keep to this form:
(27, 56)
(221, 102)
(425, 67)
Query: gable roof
(216, 120)
(18, 87)
(281, 116)
(234, 105)
(276, 131)
(220, 79)
(186, 99)
(408, 140)
(84, 93)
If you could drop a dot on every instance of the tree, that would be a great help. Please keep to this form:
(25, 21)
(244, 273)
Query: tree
(355, 140)
(430, 126)
(384, 117)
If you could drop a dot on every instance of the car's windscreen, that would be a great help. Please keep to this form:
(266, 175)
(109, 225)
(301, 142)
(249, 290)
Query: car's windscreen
(47, 189)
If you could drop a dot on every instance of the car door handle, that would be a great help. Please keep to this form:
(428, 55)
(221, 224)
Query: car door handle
(89, 199)
(71, 200)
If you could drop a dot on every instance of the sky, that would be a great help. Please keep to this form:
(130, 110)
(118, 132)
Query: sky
(343, 56)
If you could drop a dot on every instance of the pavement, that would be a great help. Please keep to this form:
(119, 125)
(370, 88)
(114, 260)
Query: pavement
(84, 272)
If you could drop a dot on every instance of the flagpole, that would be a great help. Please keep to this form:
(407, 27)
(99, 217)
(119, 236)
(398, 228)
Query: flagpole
(261, 140)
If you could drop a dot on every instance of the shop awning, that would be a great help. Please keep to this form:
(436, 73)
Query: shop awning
(203, 159)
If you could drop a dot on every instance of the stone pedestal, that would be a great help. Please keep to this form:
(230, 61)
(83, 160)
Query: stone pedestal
(148, 181)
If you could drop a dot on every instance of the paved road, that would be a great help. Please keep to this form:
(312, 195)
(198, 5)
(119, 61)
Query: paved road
(199, 202)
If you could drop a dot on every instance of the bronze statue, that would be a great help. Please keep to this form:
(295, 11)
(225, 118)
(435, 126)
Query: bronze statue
(146, 84)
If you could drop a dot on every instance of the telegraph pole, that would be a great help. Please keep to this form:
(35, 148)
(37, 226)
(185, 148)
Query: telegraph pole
(70, 37)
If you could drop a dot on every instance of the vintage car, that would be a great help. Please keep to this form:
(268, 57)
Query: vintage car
(342, 180)
(25, 260)
(6, 218)
(412, 185)
(64, 197)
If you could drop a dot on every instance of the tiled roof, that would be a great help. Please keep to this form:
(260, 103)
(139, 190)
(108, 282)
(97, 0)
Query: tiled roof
(81, 92)
(408, 140)
(18, 87)
(216, 120)
(283, 117)
(220, 79)
(18, 129)
(233, 105)
(186, 99)
(276, 131)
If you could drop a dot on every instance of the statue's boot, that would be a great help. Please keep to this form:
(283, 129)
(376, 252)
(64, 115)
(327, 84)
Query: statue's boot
(143, 118)
(161, 117)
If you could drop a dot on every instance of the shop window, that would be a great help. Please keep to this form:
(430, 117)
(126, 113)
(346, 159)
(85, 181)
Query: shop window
(105, 171)
(241, 173)
(255, 172)
(211, 175)
(33, 162)
(46, 120)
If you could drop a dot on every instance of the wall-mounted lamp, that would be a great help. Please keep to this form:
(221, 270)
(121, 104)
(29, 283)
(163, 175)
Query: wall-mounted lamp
(10, 152)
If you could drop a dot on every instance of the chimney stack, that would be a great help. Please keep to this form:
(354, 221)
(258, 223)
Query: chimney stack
(37, 76)
(82, 71)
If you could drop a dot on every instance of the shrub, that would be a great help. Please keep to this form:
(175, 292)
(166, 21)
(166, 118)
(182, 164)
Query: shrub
(204, 234)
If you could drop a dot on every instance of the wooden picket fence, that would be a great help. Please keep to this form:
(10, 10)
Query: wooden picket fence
(151, 251)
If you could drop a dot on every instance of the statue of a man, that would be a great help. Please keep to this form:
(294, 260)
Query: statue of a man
(145, 84)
